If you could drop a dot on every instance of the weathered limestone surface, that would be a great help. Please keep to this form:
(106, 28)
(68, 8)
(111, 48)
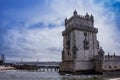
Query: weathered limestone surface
(80, 43)
(111, 63)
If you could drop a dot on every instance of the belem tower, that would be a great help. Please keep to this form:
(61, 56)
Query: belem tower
(81, 49)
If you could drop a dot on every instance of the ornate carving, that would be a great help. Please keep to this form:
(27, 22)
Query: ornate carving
(97, 44)
(81, 28)
(74, 49)
(86, 44)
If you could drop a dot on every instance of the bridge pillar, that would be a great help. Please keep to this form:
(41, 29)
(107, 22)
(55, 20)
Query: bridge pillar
(51, 69)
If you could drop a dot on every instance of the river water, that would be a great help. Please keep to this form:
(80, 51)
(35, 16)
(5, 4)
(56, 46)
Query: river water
(49, 75)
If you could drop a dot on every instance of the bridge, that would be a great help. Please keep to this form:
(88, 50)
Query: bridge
(41, 66)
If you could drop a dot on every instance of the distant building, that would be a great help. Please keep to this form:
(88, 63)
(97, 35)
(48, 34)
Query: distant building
(2, 59)
(81, 51)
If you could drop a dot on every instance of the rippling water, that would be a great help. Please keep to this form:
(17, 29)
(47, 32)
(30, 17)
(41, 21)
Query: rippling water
(34, 75)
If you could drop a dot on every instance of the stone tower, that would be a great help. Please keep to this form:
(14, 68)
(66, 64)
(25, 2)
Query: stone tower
(98, 60)
(80, 44)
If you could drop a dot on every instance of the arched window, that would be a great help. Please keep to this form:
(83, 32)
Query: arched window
(109, 67)
(86, 42)
(68, 53)
(115, 66)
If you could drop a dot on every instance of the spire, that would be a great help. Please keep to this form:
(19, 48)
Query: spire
(75, 12)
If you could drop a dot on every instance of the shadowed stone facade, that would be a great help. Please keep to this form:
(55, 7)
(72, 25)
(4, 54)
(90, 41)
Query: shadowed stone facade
(107, 63)
(81, 51)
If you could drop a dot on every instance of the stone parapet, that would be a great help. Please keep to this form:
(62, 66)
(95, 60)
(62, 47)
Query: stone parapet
(111, 57)
(81, 28)
(86, 18)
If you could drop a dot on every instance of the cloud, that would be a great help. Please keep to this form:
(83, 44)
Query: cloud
(34, 44)
(104, 20)
(39, 37)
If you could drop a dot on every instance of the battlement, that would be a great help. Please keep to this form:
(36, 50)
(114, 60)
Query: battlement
(78, 22)
(111, 57)
(107, 57)
(87, 20)
(82, 28)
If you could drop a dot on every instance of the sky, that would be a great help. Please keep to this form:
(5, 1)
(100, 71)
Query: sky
(31, 30)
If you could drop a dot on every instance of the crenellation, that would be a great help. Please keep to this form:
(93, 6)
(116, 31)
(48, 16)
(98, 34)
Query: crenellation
(86, 20)
(80, 27)
(111, 57)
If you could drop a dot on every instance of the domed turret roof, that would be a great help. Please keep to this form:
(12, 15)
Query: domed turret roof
(86, 15)
(75, 12)
(101, 51)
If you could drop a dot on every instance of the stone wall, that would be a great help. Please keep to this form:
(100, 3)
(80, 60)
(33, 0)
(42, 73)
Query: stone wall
(84, 56)
(111, 62)
(107, 63)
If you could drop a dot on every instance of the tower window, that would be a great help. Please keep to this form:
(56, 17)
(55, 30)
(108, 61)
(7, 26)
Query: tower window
(109, 67)
(86, 44)
(68, 45)
(68, 42)
(68, 53)
(74, 49)
(115, 66)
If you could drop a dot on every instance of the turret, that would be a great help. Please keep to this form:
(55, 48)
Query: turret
(92, 18)
(65, 21)
(101, 52)
(75, 13)
(87, 16)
